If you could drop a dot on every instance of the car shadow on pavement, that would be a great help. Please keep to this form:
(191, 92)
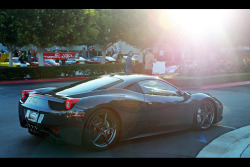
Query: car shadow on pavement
(185, 143)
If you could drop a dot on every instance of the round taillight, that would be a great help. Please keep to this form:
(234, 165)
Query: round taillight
(22, 95)
(69, 103)
(24, 92)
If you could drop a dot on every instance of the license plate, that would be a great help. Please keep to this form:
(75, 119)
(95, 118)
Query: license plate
(32, 115)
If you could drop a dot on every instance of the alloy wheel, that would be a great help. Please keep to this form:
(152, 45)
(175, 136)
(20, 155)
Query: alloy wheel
(205, 115)
(102, 129)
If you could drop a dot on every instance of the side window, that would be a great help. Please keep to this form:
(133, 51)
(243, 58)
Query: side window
(159, 88)
(134, 87)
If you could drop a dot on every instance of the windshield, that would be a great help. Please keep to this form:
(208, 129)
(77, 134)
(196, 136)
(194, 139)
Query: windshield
(49, 61)
(110, 58)
(16, 61)
(95, 83)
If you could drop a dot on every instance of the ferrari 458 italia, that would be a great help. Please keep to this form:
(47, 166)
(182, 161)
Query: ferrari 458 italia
(98, 111)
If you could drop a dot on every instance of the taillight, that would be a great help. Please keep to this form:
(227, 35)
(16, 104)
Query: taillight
(69, 103)
(24, 92)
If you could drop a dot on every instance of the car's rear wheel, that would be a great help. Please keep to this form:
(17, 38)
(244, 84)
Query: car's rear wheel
(101, 131)
(204, 116)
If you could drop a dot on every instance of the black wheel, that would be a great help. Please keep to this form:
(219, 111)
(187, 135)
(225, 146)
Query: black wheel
(101, 130)
(204, 116)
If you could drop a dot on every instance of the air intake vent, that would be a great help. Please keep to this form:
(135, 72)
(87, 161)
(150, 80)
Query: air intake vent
(57, 106)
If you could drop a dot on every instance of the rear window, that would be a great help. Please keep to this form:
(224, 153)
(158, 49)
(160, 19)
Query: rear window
(96, 83)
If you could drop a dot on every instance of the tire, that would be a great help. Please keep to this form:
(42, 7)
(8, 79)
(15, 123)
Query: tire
(101, 130)
(204, 116)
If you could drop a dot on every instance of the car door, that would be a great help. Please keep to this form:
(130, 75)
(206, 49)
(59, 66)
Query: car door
(132, 103)
(167, 109)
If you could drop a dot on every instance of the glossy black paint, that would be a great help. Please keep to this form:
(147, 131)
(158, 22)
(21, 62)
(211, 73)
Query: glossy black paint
(139, 114)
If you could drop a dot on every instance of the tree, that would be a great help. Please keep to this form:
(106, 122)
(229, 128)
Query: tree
(84, 31)
(37, 29)
(48, 27)
(142, 32)
(9, 22)
(111, 24)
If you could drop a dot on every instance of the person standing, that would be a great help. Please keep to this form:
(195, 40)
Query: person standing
(90, 52)
(159, 66)
(149, 60)
(112, 52)
(119, 58)
(84, 53)
(29, 55)
(129, 63)
(16, 53)
(23, 59)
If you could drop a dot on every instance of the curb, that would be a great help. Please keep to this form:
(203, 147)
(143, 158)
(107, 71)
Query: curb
(229, 145)
(42, 80)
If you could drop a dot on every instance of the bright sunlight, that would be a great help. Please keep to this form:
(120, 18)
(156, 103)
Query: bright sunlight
(195, 22)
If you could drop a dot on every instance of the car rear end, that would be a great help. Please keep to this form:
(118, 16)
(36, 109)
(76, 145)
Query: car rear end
(59, 118)
(61, 112)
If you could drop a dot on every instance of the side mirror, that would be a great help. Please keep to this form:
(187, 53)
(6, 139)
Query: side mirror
(186, 95)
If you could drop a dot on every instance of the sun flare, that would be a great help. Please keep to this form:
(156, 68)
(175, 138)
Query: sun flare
(200, 22)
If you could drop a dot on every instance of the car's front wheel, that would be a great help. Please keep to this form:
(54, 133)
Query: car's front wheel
(204, 116)
(101, 130)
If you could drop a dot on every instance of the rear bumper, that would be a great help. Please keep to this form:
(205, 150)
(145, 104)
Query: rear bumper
(58, 125)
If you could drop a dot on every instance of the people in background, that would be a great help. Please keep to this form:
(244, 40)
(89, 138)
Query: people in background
(129, 63)
(119, 58)
(149, 60)
(29, 55)
(83, 53)
(23, 59)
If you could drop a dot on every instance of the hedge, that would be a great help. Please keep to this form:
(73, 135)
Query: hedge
(41, 72)
(20, 73)
(188, 81)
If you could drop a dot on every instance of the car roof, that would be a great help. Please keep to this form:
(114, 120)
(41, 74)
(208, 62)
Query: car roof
(130, 78)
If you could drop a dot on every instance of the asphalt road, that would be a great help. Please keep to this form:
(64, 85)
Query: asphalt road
(17, 142)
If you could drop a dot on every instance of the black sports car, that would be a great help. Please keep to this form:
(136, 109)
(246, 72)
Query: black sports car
(97, 111)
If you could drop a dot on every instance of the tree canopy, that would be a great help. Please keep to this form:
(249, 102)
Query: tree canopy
(140, 28)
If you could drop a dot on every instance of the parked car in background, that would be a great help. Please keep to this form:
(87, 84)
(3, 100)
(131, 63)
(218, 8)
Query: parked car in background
(171, 69)
(35, 63)
(190, 63)
(136, 57)
(74, 61)
(188, 68)
(115, 56)
(51, 62)
(98, 60)
(16, 62)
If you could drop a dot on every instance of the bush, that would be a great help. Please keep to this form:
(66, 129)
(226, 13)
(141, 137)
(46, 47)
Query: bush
(196, 81)
(41, 72)
(201, 70)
